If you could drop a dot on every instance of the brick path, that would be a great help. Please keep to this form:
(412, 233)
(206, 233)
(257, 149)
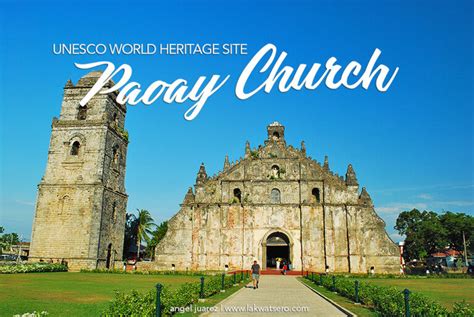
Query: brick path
(276, 292)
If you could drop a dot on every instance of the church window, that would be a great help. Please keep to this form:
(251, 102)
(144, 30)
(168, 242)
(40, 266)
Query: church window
(75, 148)
(316, 195)
(237, 195)
(82, 113)
(275, 196)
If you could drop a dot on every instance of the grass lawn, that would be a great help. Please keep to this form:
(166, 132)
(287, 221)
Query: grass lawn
(359, 310)
(446, 291)
(72, 294)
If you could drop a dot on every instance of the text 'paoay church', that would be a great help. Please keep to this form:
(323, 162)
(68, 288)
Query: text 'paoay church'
(276, 202)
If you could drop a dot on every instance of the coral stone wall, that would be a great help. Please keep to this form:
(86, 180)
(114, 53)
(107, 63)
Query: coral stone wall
(81, 203)
(227, 218)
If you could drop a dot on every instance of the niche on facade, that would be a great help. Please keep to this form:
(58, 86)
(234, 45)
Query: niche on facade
(275, 173)
(64, 203)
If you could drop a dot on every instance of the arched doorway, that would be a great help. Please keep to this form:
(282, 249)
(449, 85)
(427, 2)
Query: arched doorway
(109, 255)
(277, 245)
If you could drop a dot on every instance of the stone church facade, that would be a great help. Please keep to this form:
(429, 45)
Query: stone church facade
(277, 202)
(81, 202)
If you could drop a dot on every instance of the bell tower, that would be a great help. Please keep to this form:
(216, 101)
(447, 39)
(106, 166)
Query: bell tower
(81, 202)
(276, 133)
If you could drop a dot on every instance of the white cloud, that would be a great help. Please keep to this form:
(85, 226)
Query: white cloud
(397, 237)
(393, 209)
(425, 196)
(23, 202)
(439, 187)
(456, 203)
(396, 208)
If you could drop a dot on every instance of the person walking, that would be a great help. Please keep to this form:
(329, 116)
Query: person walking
(255, 274)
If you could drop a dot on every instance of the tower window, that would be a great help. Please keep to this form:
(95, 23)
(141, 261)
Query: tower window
(316, 195)
(115, 120)
(75, 148)
(238, 194)
(114, 211)
(115, 155)
(82, 113)
(276, 135)
(275, 196)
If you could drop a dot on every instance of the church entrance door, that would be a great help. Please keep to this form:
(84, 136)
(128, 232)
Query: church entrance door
(277, 248)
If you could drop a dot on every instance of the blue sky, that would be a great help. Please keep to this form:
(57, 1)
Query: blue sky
(411, 146)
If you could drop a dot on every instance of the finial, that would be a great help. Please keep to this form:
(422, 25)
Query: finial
(69, 84)
(364, 194)
(189, 198)
(202, 175)
(365, 197)
(351, 179)
(247, 149)
(303, 148)
(226, 162)
(326, 163)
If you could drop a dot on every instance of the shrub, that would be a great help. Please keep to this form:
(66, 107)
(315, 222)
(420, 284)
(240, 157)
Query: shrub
(462, 309)
(144, 304)
(410, 276)
(254, 154)
(33, 268)
(389, 301)
(133, 304)
(121, 271)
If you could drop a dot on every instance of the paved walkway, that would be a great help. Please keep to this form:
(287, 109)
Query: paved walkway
(275, 292)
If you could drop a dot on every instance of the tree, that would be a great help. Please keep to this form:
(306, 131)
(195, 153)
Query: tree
(156, 237)
(424, 233)
(428, 232)
(456, 224)
(130, 237)
(144, 228)
(8, 239)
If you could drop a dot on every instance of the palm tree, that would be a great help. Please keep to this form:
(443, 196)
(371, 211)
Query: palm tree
(144, 228)
(156, 237)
